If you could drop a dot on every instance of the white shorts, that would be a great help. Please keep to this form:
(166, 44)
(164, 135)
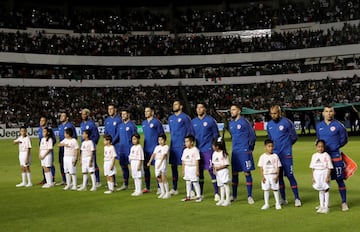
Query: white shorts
(47, 161)
(134, 172)
(222, 177)
(270, 183)
(161, 169)
(85, 161)
(107, 170)
(190, 173)
(68, 165)
(22, 159)
(320, 180)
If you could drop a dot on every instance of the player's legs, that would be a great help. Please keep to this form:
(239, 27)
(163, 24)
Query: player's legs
(249, 185)
(61, 163)
(282, 186)
(52, 169)
(124, 164)
(287, 164)
(201, 176)
(97, 170)
(147, 174)
(175, 160)
(235, 183)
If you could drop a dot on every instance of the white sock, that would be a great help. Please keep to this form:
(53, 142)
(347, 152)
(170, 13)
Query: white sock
(111, 186)
(321, 198)
(222, 193)
(93, 179)
(227, 192)
(266, 196)
(68, 179)
(28, 174)
(138, 184)
(277, 197)
(197, 189)
(327, 198)
(85, 179)
(48, 178)
(166, 187)
(23, 177)
(162, 188)
(74, 181)
(188, 188)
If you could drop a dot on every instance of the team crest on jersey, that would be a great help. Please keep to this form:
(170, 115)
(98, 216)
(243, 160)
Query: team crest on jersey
(205, 124)
(87, 127)
(114, 123)
(217, 159)
(239, 126)
(151, 125)
(281, 127)
(179, 120)
(332, 128)
(127, 128)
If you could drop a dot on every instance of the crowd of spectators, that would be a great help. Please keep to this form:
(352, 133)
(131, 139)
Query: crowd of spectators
(156, 45)
(79, 73)
(16, 109)
(226, 18)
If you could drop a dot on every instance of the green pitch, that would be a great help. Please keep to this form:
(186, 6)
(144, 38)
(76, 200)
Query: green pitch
(37, 209)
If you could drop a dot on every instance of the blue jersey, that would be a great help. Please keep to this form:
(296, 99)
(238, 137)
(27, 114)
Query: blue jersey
(152, 129)
(205, 130)
(180, 126)
(94, 132)
(283, 133)
(242, 134)
(125, 131)
(62, 128)
(335, 136)
(111, 128)
(40, 135)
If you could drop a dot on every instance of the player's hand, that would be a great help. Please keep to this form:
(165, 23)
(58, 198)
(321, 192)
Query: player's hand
(328, 179)
(158, 166)
(313, 180)
(263, 180)
(197, 173)
(276, 179)
(112, 168)
(148, 164)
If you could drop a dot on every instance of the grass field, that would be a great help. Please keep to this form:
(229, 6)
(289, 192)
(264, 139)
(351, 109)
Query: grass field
(37, 209)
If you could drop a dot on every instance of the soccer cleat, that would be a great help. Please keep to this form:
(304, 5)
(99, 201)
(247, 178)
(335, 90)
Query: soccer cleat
(60, 183)
(82, 188)
(123, 187)
(136, 194)
(145, 190)
(226, 203)
(199, 199)
(174, 192)
(319, 209)
(158, 191)
(108, 192)
(98, 184)
(219, 203)
(74, 188)
(161, 195)
(283, 202)
(323, 210)
(344, 207)
(186, 199)
(297, 203)
(278, 207)
(47, 186)
(251, 201)
(166, 196)
(265, 207)
(93, 189)
(20, 185)
(67, 187)
(29, 185)
(217, 197)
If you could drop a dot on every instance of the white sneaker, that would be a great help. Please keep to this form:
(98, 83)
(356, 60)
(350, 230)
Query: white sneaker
(319, 209)
(74, 188)
(67, 187)
(82, 188)
(297, 203)
(217, 197)
(93, 189)
(324, 210)
(278, 207)
(166, 196)
(29, 185)
(232, 198)
(251, 201)
(344, 207)
(136, 194)
(283, 202)
(47, 186)
(193, 195)
(60, 183)
(108, 192)
(158, 192)
(199, 199)
(20, 185)
(161, 195)
(98, 184)
(174, 192)
(265, 207)
(226, 203)
(220, 202)
(123, 187)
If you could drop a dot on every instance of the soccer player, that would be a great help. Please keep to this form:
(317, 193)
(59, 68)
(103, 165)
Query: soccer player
(136, 158)
(270, 164)
(24, 157)
(220, 165)
(152, 128)
(109, 163)
(88, 124)
(112, 123)
(43, 124)
(160, 156)
(321, 165)
(45, 151)
(335, 136)
(206, 130)
(71, 150)
(180, 126)
(64, 124)
(190, 167)
(123, 136)
(87, 161)
(282, 132)
(243, 142)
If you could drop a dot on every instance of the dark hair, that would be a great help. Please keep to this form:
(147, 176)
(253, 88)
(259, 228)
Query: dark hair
(202, 103)
(190, 137)
(112, 104)
(237, 105)
(49, 133)
(136, 136)
(23, 127)
(88, 132)
(69, 131)
(268, 141)
(150, 107)
(320, 141)
(163, 136)
(180, 101)
(107, 137)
